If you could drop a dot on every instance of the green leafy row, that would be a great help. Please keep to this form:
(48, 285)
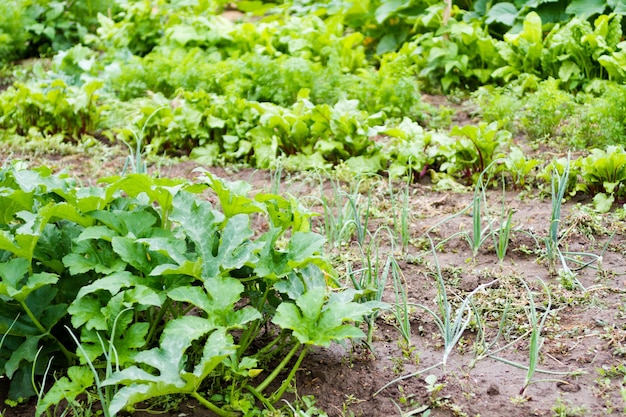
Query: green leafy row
(464, 54)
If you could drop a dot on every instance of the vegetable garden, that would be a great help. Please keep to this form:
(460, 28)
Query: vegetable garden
(332, 208)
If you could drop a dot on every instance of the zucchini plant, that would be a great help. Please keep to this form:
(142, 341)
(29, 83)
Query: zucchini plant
(163, 292)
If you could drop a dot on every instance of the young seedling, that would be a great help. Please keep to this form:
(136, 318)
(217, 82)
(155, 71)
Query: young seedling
(135, 156)
(536, 340)
(401, 308)
(483, 348)
(370, 280)
(478, 234)
(345, 214)
(501, 234)
(451, 323)
(536, 322)
(558, 187)
(401, 223)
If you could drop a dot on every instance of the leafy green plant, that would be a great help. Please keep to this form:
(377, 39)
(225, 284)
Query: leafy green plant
(460, 54)
(546, 110)
(31, 29)
(32, 237)
(14, 35)
(473, 150)
(154, 271)
(598, 121)
(519, 167)
(147, 252)
(52, 108)
(603, 175)
(409, 151)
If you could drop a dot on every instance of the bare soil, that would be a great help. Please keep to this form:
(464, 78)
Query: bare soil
(585, 334)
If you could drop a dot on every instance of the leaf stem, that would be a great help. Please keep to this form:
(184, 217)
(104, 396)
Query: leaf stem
(261, 387)
(68, 355)
(159, 317)
(212, 407)
(250, 333)
(283, 387)
(260, 397)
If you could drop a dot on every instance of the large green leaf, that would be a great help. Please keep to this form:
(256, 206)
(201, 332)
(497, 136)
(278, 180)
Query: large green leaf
(316, 321)
(504, 13)
(17, 284)
(218, 302)
(233, 195)
(26, 352)
(236, 247)
(584, 9)
(170, 363)
(201, 223)
(304, 248)
(13, 201)
(134, 223)
(137, 254)
(159, 190)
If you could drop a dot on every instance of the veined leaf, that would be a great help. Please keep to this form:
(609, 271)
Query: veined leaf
(201, 223)
(584, 9)
(26, 352)
(136, 223)
(159, 190)
(304, 247)
(218, 301)
(170, 361)
(236, 247)
(17, 284)
(88, 256)
(78, 379)
(314, 322)
(137, 254)
(232, 195)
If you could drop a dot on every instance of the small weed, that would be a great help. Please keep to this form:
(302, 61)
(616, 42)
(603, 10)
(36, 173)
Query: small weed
(519, 399)
(613, 371)
(302, 407)
(398, 365)
(565, 408)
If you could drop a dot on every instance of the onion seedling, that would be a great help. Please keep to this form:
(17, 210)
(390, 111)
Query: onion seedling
(558, 188)
(451, 324)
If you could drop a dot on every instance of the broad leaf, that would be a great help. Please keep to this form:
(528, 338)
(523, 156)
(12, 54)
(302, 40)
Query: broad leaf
(170, 362)
(201, 223)
(314, 323)
(232, 195)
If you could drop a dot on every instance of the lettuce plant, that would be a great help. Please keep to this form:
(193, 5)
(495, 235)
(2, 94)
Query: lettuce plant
(603, 175)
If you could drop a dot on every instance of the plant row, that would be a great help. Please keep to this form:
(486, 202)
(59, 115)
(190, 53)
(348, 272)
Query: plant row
(306, 136)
